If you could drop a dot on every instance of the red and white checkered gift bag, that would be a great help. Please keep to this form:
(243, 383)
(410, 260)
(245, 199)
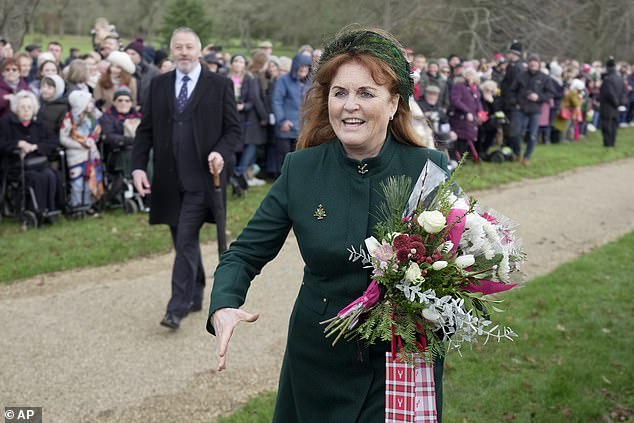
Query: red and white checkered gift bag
(410, 393)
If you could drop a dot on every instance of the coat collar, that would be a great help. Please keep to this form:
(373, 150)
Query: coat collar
(367, 167)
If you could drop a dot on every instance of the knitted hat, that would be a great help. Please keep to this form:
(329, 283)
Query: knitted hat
(533, 57)
(59, 84)
(516, 47)
(136, 45)
(78, 101)
(122, 60)
(123, 90)
(610, 63)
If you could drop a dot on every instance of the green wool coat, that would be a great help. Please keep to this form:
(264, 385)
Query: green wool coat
(320, 383)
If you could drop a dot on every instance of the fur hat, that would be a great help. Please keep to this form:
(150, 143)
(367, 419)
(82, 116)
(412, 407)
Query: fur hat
(516, 48)
(122, 60)
(136, 45)
(577, 85)
(45, 56)
(78, 101)
(59, 84)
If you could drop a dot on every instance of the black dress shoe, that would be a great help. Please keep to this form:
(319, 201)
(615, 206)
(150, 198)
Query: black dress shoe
(171, 321)
(196, 307)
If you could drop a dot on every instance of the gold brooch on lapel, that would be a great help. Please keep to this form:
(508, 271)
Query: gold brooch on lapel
(320, 213)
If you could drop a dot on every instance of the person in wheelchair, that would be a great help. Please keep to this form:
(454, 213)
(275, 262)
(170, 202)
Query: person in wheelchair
(22, 137)
(118, 125)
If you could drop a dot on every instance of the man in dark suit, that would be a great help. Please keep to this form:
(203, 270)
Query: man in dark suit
(611, 96)
(191, 123)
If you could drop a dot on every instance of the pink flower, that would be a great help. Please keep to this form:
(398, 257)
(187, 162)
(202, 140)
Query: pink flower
(384, 253)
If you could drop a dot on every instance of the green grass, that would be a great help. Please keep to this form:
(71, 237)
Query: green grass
(84, 44)
(115, 237)
(548, 160)
(572, 361)
(110, 238)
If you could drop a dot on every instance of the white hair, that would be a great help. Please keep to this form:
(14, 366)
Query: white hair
(186, 30)
(22, 96)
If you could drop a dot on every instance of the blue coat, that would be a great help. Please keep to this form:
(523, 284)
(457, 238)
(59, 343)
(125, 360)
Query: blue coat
(288, 96)
(321, 383)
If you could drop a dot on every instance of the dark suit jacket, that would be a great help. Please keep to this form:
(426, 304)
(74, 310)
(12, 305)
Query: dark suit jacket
(216, 128)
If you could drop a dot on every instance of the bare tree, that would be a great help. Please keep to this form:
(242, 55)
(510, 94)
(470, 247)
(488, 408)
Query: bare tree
(15, 19)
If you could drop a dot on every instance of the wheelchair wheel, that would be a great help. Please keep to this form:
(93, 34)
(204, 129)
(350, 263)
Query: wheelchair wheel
(130, 206)
(28, 220)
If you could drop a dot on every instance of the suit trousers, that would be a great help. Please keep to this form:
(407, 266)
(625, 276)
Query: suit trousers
(188, 274)
(609, 127)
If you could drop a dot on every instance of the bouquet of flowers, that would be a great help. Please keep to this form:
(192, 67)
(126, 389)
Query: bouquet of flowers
(435, 256)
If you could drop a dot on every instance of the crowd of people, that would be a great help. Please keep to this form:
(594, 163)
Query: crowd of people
(89, 106)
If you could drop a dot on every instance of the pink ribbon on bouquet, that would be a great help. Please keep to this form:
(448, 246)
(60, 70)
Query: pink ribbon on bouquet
(489, 287)
(457, 218)
(369, 298)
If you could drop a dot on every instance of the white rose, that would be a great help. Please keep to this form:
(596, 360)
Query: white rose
(431, 314)
(371, 244)
(432, 221)
(439, 265)
(413, 273)
(465, 261)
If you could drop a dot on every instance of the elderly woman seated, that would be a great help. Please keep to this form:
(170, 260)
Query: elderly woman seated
(20, 132)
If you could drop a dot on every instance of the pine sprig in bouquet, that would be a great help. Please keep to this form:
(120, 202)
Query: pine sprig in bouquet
(435, 257)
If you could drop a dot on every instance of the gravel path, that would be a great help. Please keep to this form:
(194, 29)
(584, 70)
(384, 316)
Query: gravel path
(86, 345)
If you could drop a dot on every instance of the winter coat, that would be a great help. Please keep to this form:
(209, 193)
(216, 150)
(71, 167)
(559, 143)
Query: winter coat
(253, 111)
(319, 382)
(465, 99)
(528, 82)
(52, 114)
(288, 96)
(36, 132)
(77, 151)
(215, 125)
(112, 130)
(5, 88)
(144, 73)
(611, 95)
(513, 69)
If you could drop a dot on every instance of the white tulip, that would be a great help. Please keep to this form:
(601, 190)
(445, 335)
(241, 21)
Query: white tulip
(439, 265)
(465, 261)
(371, 244)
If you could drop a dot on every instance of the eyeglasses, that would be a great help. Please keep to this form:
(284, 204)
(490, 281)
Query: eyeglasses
(11, 70)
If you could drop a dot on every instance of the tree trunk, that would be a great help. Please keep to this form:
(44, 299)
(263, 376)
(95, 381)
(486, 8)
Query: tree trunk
(15, 17)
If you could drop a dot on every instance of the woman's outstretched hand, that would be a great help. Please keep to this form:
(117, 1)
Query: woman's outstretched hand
(224, 321)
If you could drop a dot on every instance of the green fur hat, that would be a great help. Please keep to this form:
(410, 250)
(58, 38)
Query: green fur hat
(377, 43)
